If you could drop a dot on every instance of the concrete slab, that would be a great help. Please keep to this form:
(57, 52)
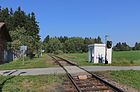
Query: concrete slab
(75, 70)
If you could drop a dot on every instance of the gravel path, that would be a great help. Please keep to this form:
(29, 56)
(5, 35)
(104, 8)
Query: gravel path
(58, 70)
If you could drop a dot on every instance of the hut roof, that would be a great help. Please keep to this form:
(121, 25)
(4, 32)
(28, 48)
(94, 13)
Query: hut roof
(5, 31)
(1, 24)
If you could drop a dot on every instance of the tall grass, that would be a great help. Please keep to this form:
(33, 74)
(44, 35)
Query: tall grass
(42, 62)
(120, 58)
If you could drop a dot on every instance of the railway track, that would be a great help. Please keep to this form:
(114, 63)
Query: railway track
(91, 83)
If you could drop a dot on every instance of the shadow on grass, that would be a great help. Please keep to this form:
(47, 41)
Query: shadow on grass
(9, 78)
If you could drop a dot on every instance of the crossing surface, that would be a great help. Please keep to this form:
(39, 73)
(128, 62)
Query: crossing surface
(59, 70)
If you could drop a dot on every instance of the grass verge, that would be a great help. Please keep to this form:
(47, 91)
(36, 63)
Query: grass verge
(40, 83)
(42, 62)
(129, 77)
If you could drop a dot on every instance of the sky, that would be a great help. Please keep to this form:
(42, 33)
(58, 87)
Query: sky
(120, 19)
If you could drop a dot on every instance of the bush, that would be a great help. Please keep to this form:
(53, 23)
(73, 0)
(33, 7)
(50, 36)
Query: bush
(58, 52)
(131, 62)
(30, 54)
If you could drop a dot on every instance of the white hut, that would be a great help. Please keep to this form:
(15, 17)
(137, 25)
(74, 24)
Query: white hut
(99, 53)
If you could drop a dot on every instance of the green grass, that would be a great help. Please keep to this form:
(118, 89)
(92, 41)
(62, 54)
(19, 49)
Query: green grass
(126, 58)
(127, 77)
(40, 83)
(122, 58)
(79, 58)
(42, 62)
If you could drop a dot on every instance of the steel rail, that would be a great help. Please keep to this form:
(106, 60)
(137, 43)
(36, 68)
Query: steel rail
(114, 88)
(68, 74)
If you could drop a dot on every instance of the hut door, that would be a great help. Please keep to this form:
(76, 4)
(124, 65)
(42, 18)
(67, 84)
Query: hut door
(1, 54)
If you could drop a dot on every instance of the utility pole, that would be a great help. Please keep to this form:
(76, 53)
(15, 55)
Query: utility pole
(23, 58)
(106, 38)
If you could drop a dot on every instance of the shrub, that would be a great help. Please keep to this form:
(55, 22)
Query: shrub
(58, 52)
(131, 62)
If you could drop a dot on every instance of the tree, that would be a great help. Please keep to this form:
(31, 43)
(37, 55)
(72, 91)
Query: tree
(121, 47)
(74, 44)
(69, 46)
(99, 39)
(20, 37)
(137, 46)
(46, 40)
(53, 45)
(19, 24)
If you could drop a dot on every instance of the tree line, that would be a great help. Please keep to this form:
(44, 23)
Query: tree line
(125, 47)
(23, 28)
(64, 44)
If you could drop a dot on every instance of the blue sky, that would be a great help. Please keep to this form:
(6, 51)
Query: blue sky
(120, 19)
